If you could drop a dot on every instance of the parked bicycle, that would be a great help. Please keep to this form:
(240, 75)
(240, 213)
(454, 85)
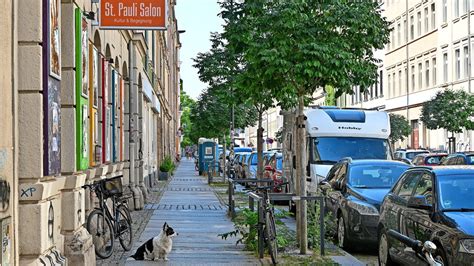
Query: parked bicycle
(424, 251)
(270, 237)
(105, 224)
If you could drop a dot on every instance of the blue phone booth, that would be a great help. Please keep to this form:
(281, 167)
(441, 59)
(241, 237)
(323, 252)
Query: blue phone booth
(207, 154)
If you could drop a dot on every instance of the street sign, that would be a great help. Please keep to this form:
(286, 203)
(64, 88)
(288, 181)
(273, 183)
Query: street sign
(133, 14)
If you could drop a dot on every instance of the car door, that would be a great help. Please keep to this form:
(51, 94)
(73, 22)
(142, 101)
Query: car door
(335, 196)
(420, 225)
(330, 179)
(395, 210)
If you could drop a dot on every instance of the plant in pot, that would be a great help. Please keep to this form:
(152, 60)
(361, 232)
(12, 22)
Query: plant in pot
(166, 168)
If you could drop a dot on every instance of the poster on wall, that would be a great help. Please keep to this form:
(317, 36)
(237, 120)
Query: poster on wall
(105, 121)
(53, 128)
(85, 142)
(6, 242)
(108, 135)
(95, 77)
(85, 59)
(55, 38)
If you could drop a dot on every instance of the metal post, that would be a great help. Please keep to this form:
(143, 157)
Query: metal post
(231, 199)
(251, 204)
(321, 221)
(260, 230)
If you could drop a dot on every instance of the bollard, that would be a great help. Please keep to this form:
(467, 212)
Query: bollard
(321, 220)
(261, 222)
(231, 200)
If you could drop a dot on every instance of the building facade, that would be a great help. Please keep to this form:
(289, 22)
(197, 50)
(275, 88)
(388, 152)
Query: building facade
(78, 104)
(429, 50)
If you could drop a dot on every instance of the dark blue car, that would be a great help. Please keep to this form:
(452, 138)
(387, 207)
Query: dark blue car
(354, 190)
(435, 204)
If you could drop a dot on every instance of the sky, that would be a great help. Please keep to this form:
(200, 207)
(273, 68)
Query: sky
(198, 18)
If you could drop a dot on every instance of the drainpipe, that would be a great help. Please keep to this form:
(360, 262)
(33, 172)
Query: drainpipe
(133, 124)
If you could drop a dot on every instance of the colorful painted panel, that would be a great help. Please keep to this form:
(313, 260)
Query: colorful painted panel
(51, 87)
(105, 83)
(122, 109)
(82, 91)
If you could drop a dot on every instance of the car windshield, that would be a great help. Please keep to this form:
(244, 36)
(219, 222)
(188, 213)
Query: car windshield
(333, 149)
(456, 192)
(470, 159)
(254, 159)
(279, 164)
(410, 155)
(375, 176)
(433, 159)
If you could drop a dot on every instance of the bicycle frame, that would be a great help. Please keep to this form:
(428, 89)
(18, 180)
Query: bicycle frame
(105, 209)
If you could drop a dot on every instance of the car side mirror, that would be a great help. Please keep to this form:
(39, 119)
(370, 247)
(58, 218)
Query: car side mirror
(419, 202)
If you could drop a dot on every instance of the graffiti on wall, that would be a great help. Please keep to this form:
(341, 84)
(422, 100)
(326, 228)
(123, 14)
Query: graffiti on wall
(6, 242)
(4, 195)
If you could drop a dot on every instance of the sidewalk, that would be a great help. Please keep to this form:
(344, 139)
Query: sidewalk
(190, 206)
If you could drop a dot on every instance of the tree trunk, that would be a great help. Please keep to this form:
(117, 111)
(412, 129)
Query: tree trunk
(259, 147)
(301, 175)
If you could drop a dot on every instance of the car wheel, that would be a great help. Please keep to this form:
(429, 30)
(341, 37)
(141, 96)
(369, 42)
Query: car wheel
(342, 240)
(440, 255)
(384, 247)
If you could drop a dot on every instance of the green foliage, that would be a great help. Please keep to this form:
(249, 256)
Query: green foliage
(314, 239)
(167, 165)
(245, 224)
(449, 109)
(187, 104)
(330, 99)
(399, 128)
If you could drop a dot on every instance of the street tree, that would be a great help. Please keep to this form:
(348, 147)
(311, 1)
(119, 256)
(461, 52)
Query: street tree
(187, 104)
(303, 45)
(451, 110)
(399, 128)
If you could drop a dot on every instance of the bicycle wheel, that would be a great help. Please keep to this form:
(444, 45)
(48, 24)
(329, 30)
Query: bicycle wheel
(270, 236)
(100, 227)
(125, 233)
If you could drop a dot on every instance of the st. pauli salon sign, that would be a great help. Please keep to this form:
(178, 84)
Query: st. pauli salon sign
(133, 14)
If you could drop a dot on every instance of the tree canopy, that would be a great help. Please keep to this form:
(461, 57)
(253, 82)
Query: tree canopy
(451, 110)
(399, 128)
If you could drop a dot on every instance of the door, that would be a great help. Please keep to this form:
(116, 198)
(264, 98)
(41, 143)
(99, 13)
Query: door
(415, 137)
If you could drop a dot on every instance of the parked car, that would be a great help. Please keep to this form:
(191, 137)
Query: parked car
(430, 203)
(428, 159)
(461, 158)
(354, 190)
(251, 170)
(274, 170)
(408, 154)
(244, 162)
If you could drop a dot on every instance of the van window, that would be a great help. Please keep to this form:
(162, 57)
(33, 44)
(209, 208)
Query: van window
(332, 149)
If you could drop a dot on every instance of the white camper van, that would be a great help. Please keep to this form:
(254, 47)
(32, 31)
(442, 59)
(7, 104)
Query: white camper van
(334, 133)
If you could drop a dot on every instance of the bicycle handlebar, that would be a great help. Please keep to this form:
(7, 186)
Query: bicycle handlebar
(416, 245)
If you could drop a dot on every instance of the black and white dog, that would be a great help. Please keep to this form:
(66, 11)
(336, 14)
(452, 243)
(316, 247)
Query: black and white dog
(157, 247)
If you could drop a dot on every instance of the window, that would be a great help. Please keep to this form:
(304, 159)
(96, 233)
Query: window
(393, 83)
(381, 82)
(445, 11)
(420, 75)
(399, 34)
(466, 61)
(405, 187)
(445, 67)
(389, 89)
(418, 28)
(400, 81)
(434, 71)
(425, 188)
(456, 8)
(405, 30)
(426, 20)
(427, 73)
(412, 78)
(465, 6)
(412, 28)
(457, 68)
(433, 16)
